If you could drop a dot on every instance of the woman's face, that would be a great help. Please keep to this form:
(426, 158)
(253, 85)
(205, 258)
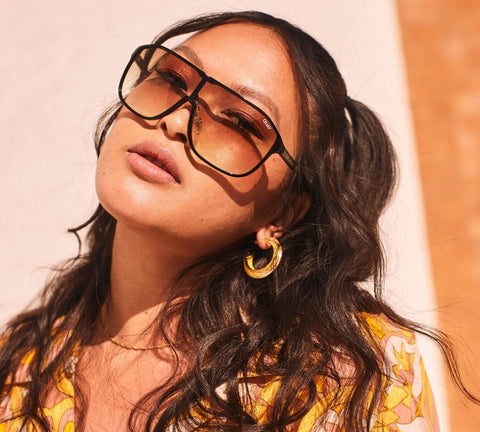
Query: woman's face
(200, 210)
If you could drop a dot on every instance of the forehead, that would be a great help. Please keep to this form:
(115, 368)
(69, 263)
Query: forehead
(249, 56)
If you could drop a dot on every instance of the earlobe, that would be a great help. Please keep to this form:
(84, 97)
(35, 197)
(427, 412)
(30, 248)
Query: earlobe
(265, 233)
(292, 213)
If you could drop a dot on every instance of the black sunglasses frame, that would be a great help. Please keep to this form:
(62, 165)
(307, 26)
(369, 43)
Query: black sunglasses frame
(277, 147)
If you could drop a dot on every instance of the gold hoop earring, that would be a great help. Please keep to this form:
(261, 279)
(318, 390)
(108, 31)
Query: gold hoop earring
(270, 267)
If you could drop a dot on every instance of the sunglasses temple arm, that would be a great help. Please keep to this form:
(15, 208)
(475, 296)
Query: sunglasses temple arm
(287, 158)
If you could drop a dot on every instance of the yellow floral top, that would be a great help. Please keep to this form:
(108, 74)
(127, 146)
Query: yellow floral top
(406, 406)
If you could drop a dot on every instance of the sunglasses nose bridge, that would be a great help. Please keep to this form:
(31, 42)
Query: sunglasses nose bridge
(194, 120)
(194, 94)
(186, 99)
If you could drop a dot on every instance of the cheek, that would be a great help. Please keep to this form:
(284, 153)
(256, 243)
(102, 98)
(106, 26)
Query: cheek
(208, 207)
(106, 181)
(114, 186)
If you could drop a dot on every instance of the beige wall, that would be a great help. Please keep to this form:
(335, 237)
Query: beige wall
(442, 48)
(59, 67)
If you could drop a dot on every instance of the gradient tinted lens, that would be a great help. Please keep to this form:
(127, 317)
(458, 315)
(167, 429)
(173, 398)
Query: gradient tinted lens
(225, 130)
(155, 80)
(229, 132)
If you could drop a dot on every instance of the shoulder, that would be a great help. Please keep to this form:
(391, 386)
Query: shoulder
(407, 402)
(58, 405)
(14, 393)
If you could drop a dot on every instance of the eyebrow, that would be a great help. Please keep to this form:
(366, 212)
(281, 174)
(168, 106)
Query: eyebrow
(247, 92)
(250, 93)
(191, 54)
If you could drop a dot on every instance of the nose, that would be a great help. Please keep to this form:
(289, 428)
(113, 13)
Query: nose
(175, 124)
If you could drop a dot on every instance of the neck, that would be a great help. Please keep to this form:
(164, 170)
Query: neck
(141, 278)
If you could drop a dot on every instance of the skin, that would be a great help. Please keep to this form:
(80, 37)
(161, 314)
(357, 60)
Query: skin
(164, 227)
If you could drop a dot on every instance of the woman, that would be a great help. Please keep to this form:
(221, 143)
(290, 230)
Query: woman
(240, 190)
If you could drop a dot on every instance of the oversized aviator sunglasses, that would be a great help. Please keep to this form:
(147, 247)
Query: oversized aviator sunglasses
(225, 130)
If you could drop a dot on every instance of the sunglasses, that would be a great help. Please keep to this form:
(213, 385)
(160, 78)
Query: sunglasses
(225, 130)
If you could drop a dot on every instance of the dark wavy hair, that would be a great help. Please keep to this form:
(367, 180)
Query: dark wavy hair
(313, 305)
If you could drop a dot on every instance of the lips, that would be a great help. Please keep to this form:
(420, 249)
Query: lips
(153, 163)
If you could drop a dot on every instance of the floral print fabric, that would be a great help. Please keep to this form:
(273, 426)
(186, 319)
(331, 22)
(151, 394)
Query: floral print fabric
(406, 405)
